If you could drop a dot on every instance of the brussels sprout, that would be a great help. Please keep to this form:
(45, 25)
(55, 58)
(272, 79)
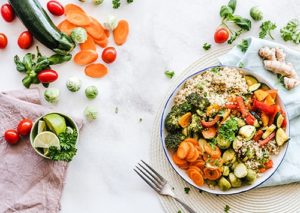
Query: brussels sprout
(240, 170)
(79, 35)
(251, 176)
(91, 92)
(226, 170)
(73, 84)
(256, 14)
(90, 113)
(224, 184)
(97, 2)
(235, 182)
(234, 165)
(223, 143)
(51, 95)
(228, 156)
(110, 22)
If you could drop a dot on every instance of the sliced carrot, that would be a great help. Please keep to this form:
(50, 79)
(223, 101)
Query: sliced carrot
(199, 163)
(184, 166)
(195, 157)
(192, 140)
(196, 176)
(66, 27)
(185, 120)
(195, 168)
(209, 133)
(95, 29)
(212, 174)
(96, 70)
(183, 150)
(107, 33)
(178, 161)
(102, 43)
(85, 57)
(258, 135)
(214, 152)
(89, 44)
(76, 15)
(121, 32)
(191, 152)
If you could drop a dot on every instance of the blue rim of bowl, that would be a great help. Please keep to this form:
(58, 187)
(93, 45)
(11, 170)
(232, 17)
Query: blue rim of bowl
(166, 151)
(36, 123)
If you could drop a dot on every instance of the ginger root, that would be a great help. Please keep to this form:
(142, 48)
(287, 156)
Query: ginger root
(274, 61)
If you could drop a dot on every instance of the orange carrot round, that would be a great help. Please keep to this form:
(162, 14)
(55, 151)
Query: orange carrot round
(185, 120)
(95, 29)
(196, 176)
(102, 43)
(96, 70)
(183, 150)
(89, 44)
(178, 161)
(209, 133)
(192, 140)
(214, 152)
(195, 156)
(85, 57)
(212, 174)
(199, 163)
(76, 15)
(121, 32)
(66, 27)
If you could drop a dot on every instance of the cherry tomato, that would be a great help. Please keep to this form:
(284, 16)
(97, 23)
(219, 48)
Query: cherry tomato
(25, 40)
(7, 12)
(11, 136)
(109, 55)
(47, 76)
(24, 127)
(221, 35)
(3, 41)
(55, 8)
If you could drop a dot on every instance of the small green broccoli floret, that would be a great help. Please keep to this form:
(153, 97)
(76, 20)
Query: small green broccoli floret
(173, 140)
(195, 125)
(171, 122)
(181, 109)
(197, 101)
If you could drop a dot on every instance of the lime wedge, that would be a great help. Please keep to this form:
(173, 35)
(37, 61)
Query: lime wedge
(41, 126)
(56, 123)
(45, 140)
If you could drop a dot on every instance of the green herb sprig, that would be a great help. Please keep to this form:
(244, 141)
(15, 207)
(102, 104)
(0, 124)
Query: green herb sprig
(206, 46)
(169, 73)
(266, 28)
(243, 45)
(291, 31)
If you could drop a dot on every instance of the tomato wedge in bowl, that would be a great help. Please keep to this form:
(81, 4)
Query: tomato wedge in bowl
(224, 130)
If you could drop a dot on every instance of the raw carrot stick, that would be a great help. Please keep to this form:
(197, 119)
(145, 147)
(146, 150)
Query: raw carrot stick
(96, 70)
(76, 15)
(121, 32)
(85, 57)
(95, 29)
(66, 27)
(89, 44)
(102, 43)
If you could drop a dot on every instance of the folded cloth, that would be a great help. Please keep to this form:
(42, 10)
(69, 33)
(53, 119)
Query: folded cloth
(28, 182)
(289, 170)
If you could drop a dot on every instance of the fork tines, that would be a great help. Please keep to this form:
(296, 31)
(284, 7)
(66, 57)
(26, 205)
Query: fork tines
(150, 176)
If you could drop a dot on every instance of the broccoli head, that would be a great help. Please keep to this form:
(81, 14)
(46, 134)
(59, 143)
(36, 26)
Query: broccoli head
(181, 109)
(171, 122)
(172, 141)
(195, 125)
(197, 101)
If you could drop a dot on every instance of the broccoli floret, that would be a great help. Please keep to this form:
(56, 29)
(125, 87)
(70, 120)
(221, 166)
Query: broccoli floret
(181, 109)
(171, 122)
(195, 125)
(173, 140)
(197, 101)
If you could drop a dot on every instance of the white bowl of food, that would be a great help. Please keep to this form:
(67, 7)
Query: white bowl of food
(224, 130)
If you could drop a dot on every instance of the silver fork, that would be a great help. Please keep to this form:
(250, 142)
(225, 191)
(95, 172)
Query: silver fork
(158, 183)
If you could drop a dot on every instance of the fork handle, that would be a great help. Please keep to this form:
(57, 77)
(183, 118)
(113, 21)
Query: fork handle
(189, 209)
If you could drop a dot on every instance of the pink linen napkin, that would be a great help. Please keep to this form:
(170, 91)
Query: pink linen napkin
(28, 182)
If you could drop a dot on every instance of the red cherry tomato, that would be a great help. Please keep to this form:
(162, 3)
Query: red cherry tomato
(47, 76)
(24, 127)
(109, 55)
(3, 41)
(221, 35)
(55, 8)
(25, 40)
(11, 136)
(7, 12)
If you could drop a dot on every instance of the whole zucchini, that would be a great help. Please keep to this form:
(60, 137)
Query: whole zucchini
(41, 26)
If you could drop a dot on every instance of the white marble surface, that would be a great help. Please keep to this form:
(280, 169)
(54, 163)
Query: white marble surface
(165, 34)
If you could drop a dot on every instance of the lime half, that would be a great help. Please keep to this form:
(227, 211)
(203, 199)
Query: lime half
(46, 140)
(56, 123)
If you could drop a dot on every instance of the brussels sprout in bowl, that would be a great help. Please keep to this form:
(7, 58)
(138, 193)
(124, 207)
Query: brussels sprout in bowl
(54, 136)
(207, 140)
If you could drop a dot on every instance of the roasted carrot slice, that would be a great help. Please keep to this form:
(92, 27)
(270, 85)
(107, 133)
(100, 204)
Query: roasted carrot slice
(195, 157)
(66, 27)
(183, 150)
(192, 140)
(214, 152)
(76, 15)
(85, 57)
(121, 32)
(96, 70)
(95, 29)
(191, 152)
(212, 174)
(196, 176)
(89, 44)
(185, 120)
(199, 163)
(102, 43)
(209, 133)
(178, 161)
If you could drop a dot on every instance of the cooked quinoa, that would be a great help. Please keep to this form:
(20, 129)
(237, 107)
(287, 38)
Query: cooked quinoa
(216, 85)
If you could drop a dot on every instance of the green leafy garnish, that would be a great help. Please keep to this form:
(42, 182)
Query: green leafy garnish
(216, 69)
(241, 65)
(229, 129)
(266, 28)
(116, 4)
(169, 73)
(67, 147)
(206, 46)
(243, 45)
(187, 190)
(129, 1)
(226, 209)
(291, 32)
